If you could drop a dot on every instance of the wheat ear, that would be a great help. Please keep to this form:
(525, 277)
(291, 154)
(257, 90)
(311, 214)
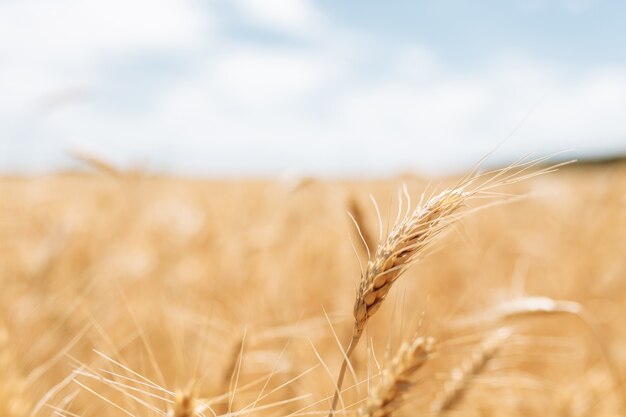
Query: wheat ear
(406, 241)
(401, 249)
(461, 377)
(538, 305)
(403, 246)
(411, 234)
(396, 378)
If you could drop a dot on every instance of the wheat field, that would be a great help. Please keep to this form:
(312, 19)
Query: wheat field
(131, 294)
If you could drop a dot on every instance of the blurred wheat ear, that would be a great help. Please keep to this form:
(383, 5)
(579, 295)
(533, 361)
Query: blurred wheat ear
(396, 378)
(461, 377)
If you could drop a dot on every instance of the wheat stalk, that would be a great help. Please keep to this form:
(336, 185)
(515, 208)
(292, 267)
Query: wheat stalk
(396, 378)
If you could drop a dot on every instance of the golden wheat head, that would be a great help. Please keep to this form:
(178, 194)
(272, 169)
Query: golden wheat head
(396, 378)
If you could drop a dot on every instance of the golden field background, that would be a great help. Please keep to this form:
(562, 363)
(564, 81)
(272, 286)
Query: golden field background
(122, 293)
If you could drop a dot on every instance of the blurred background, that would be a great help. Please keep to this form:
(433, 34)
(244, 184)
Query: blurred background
(263, 88)
(209, 250)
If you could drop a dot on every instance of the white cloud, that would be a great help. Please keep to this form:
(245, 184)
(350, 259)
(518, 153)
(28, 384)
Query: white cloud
(293, 16)
(266, 76)
(435, 123)
(64, 29)
(456, 118)
(47, 47)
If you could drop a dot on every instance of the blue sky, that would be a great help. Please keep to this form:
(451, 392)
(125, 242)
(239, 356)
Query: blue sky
(268, 87)
(576, 33)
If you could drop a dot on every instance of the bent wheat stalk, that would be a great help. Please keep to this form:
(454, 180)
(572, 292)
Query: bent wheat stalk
(412, 233)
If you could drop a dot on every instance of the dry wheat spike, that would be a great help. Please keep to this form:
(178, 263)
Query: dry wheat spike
(396, 378)
(412, 233)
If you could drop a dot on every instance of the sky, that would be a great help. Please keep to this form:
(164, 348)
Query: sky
(328, 88)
